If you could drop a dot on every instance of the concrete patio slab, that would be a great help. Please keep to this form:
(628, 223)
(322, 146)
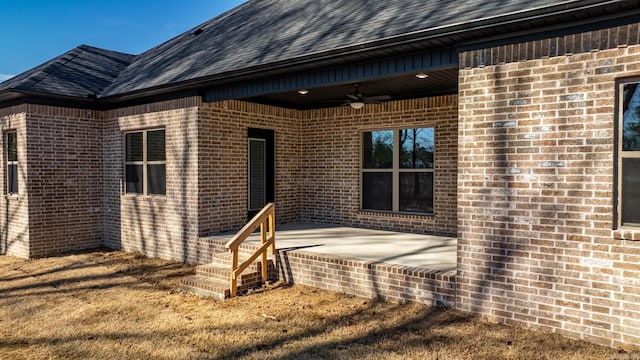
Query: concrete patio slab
(392, 265)
(376, 246)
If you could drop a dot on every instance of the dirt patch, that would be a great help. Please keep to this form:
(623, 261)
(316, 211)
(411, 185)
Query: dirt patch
(115, 305)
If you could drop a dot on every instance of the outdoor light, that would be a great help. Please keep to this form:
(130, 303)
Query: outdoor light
(422, 75)
(303, 91)
(356, 105)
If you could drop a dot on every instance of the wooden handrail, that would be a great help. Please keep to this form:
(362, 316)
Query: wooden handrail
(264, 219)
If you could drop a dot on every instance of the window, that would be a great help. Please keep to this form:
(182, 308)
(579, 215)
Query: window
(397, 170)
(12, 162)
(145, 162)
(629, 154)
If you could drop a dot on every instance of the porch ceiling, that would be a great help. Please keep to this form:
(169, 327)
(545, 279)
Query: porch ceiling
(439, 82)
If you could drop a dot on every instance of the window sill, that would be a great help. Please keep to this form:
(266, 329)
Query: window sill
(144, 197)
(12, 196)
(627, 233)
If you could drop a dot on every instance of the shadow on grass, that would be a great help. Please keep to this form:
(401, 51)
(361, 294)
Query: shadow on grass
(226, 350)
(307, 328)
(160, 276)
(327, 349)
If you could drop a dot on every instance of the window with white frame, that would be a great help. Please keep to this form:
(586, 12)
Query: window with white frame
(629, 153)
(145, 162)
(11, 148)
(397, 170)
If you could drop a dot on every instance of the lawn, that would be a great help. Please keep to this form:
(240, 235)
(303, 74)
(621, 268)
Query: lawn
(115, 305)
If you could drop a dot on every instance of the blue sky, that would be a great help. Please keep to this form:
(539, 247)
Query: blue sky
(34, 31)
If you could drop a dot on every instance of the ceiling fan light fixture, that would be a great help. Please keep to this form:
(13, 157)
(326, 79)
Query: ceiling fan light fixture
(356, 105)
(422, 75)
(303, 91)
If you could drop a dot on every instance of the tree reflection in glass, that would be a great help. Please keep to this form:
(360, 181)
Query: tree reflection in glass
(377, 149)
(631, 118)
(416, 148)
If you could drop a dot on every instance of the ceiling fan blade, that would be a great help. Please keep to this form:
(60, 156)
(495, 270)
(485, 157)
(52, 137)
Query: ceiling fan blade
(378, 98)
(353, 97)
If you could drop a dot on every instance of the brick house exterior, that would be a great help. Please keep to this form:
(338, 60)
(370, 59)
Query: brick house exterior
(525, 168)
(536, 183)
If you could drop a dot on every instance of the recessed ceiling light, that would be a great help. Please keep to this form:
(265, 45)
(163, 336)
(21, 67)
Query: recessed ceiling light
(303, 91)
(422, 75)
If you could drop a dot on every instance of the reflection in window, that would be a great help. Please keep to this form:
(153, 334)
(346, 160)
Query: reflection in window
(631, 118)
(631, 191)
(377, 149)
(416, 192)
(397, 170)
(12, 162)
(134, 144)
(145, 162)
(155, 145)
(629, 161)
(377, 191)
(416, 148)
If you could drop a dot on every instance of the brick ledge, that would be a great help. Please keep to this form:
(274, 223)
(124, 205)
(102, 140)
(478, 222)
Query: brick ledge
(627, 233)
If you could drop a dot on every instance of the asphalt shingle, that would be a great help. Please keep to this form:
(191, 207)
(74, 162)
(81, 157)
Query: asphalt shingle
(262, 32)
(80, 72)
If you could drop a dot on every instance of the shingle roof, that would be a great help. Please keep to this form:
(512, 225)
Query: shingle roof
(267, 31)
(82, 71)
(264, 33)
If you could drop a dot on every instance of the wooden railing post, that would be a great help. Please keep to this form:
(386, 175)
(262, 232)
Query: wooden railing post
(263, 240)
(234, 277)
(265, 218)
(272, 231)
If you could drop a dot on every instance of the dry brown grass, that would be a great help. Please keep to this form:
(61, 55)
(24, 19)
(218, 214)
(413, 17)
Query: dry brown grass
(114, 305)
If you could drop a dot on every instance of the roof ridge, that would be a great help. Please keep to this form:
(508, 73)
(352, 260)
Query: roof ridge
(208, 23)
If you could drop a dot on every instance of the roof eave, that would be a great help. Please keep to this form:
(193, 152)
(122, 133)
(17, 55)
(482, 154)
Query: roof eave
(11, 97)
(468, 31)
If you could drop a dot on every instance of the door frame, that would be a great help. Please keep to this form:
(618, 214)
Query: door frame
(268, 136)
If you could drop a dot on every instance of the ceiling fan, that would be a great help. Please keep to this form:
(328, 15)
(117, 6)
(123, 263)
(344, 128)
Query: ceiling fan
(357, 100)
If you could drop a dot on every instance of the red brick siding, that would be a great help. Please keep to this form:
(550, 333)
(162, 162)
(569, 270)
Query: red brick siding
(580, 43)
(331, 163)
(223, 162)
(14, 210)
(156, 225)
(536, 187)
(362, 278)
(64, 179)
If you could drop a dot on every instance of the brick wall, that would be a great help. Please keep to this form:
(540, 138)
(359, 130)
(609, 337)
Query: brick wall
(331, 163)
(536, 187)
(223, 162)
(157, 226)
(14, 210)
(64, 179)
(58, 205)
(363, 278)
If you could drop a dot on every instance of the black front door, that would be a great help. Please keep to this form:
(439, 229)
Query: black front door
(262, 165)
